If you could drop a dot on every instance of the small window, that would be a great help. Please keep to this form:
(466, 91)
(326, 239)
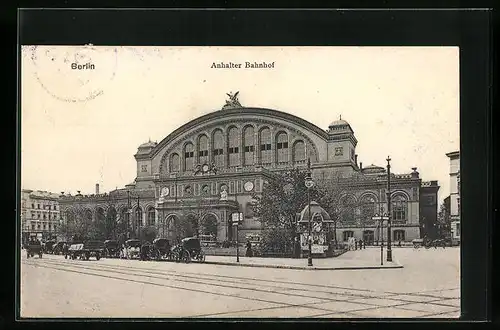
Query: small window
(249, 148)
(264, 147)
(38, 206)
(218, 152)
(32, 206)
(32, 227)
(282, 145)
(144, 168)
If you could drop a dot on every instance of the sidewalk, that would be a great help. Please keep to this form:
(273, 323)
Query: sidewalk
(351, 260)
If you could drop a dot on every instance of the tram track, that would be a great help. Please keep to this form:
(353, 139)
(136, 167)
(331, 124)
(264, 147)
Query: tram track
(264, 283)
(214, 281)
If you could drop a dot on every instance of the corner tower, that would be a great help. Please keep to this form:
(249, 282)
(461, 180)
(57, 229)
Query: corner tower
(342, 144)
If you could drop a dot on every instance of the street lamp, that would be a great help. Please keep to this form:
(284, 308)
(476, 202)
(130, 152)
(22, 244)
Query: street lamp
(309, 184)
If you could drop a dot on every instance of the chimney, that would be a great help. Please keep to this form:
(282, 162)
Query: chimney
(355, 159)
(97, 189)
(360, 165)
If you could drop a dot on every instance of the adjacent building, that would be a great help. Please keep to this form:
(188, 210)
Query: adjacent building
(40, 214)
(210, 167)
(455, 194)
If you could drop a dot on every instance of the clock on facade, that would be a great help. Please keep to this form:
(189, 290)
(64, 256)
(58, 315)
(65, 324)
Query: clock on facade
(248, 186)
(205, 168)
(164, 191)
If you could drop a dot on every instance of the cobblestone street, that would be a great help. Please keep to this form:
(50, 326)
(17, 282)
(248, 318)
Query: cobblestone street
(427, 286)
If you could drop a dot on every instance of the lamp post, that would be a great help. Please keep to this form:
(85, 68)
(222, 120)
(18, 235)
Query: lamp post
(309, 184)
(389, 215)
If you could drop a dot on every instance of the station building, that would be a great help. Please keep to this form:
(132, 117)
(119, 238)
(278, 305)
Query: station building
(211, 166)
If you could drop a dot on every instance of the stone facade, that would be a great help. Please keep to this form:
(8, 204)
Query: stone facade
(40, 214)
(210, 167)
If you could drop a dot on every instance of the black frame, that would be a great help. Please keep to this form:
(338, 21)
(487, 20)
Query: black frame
(468, 29)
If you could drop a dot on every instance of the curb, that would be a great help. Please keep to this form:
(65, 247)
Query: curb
(395, 266)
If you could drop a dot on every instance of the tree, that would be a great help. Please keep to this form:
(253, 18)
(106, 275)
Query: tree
(282, 197)
(444, 221)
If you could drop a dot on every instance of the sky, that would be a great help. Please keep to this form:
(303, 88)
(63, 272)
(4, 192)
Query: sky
(82, 127)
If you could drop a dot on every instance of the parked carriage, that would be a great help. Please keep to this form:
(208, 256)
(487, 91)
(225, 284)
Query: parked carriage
(131, 249)
(34, 247)
(112, 249)
(48, 246)
(146, 251)
(85, 250)
(189, 249)
(161, 249)
(428, 243)
(58, 248)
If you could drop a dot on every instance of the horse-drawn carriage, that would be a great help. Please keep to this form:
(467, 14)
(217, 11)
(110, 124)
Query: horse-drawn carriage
(34, 247)
(161, 249)
(131, 249)
(189, 249)
(48, 246)
(428, 243)
(112, 249)
(85, 250)
(58, 248)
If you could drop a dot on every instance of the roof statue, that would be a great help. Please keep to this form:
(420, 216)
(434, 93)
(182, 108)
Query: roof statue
(232, 102)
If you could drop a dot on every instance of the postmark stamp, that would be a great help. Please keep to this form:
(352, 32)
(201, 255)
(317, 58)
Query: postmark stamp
(74, 73)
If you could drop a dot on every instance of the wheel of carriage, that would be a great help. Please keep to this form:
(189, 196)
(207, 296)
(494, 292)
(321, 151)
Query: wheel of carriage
(201, 257)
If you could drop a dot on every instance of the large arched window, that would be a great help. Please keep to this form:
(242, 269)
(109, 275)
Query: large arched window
(368, 208)
(175, 163)
(399, 208)
(218, 148)
(138, 217)
(188, 157)
(203, 149)
(282, 147)
(248, 143)
(299, 152)
(233, 147)
(151, 216)
(348, 210)
(265, 146)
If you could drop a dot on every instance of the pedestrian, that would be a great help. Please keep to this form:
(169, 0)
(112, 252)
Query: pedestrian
(361, 244)
(249, 252)
(399, 244)
(355, 244)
